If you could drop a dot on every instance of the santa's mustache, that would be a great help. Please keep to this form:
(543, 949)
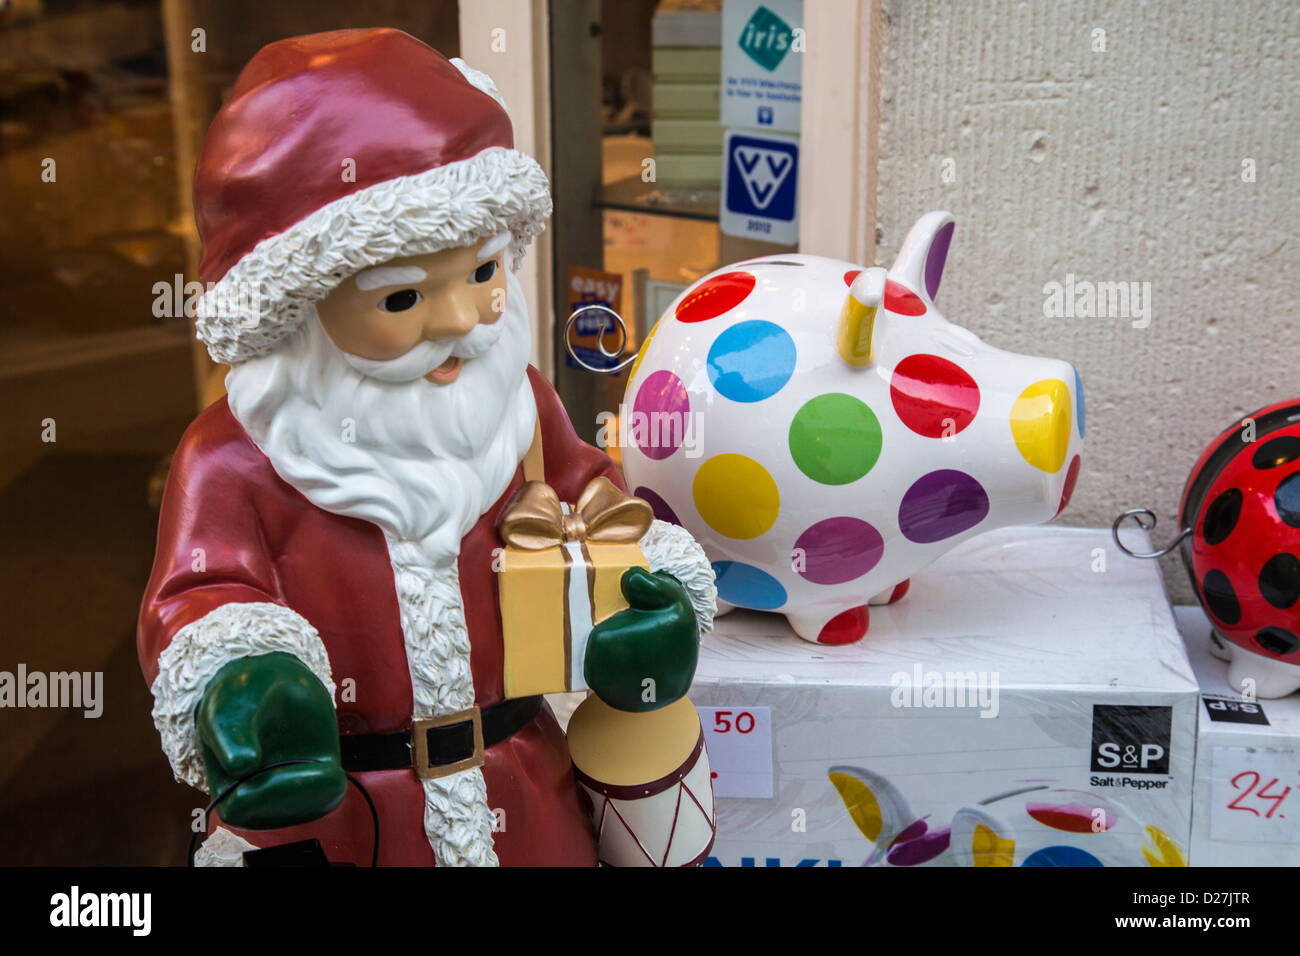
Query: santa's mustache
(428, 355)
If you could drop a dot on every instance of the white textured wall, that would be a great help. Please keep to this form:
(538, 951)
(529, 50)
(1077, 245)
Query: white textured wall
(1116, 165)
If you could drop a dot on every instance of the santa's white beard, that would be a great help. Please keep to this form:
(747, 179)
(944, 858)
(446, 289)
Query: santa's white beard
(422, 461)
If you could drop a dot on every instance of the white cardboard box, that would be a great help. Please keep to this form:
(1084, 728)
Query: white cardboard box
(1246, 809)
(1054, 626)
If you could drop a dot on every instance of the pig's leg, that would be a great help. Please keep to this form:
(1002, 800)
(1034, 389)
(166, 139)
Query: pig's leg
(890, 595)
(1254, 675)
(1219, 646)
(826, 627)
(723, 608)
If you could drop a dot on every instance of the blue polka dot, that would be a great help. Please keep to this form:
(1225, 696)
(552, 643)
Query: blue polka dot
(1061, 856)
(751, 361)
(1078, 394)
(746, 586)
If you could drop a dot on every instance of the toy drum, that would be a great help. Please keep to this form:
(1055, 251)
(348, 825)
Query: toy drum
(647, 778)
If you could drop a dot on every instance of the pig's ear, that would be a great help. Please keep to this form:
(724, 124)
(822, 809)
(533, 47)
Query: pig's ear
(876, 807)
(920, 262)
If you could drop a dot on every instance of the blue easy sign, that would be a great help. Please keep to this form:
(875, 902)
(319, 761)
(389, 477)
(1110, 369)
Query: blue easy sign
(760, 187)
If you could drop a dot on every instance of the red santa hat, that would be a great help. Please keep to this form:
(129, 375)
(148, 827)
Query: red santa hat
(340, 151)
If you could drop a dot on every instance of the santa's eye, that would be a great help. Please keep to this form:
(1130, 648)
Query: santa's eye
(400, 301)
(484, 272)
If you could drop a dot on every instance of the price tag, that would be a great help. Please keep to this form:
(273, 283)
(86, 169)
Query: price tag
(1254, 795)
(740, 750)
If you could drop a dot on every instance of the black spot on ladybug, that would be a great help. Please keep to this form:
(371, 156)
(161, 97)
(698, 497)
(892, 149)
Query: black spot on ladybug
(1276, 452)
(1277, 640)
(1287, 500)
(1279, 581)
(1221, 517)
(1220, 597)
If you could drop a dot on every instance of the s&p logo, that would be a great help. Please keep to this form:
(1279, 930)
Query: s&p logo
(1131, 739)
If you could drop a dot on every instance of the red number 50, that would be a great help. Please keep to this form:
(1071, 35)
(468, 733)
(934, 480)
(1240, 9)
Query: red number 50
(722, 722)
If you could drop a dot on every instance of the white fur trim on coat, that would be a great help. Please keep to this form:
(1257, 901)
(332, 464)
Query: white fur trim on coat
(668, 547)
(201, 648)
(457, 819)
(222, 849)
(265, 295)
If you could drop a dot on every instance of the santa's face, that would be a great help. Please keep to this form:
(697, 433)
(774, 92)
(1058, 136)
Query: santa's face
(373, 439)
(420, 317)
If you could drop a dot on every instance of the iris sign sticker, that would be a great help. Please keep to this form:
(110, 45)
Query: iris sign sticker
(760, 187)
(762, 63)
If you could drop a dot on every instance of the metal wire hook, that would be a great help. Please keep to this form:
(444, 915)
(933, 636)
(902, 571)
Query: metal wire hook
(1137, 514)
(600, 340)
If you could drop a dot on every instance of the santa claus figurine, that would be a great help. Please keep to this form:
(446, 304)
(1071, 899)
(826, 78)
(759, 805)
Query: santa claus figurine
(325, 590)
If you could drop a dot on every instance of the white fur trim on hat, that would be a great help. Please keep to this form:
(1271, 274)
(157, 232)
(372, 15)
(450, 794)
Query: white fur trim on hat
(265, 295)
(201, 648)
(479, 80)
(668, 547)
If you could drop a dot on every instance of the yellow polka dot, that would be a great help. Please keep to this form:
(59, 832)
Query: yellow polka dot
(861, 803)
(1162, 850)
(641, 354)
(736, 496)
(1040, 424)
(989, 849)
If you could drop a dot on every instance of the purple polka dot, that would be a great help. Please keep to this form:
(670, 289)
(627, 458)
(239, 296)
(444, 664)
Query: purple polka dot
(919, 849)
(659, 415)
(942, 504)
(657, 505)
(837, 550)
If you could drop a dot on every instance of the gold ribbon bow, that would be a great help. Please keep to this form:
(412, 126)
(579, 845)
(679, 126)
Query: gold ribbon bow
(534, 520)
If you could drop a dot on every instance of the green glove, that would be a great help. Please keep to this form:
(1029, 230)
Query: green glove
(644, 657)
(262, 710)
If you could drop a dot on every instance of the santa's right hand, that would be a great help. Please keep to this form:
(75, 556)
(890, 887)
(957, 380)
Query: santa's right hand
(258, 711)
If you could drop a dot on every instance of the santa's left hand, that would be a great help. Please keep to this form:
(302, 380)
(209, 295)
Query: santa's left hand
(644, 657)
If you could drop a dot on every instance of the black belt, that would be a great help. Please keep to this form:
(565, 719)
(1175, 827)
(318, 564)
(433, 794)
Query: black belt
(438, 746)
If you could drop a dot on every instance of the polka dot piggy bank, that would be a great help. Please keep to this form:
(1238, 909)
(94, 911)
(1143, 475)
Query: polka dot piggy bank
(824, 432)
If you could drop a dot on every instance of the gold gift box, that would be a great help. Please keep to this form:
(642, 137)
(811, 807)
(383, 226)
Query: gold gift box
(561, 569)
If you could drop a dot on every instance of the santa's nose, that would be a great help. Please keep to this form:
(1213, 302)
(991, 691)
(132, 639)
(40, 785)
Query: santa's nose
(456, 316)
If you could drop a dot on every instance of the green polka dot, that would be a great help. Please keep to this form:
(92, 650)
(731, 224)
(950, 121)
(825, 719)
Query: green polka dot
(835, 439)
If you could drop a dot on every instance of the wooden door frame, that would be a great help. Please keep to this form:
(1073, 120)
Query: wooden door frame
(840, 126)
(509, 40)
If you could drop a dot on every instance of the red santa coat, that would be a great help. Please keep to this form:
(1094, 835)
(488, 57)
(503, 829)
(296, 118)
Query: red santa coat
(232, 532)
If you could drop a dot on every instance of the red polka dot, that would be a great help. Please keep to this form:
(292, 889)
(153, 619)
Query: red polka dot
(845, 628)
(712, 298)
(1071, 477)
(902, 300)
(851, 275)
(900, 591)
(932, 396)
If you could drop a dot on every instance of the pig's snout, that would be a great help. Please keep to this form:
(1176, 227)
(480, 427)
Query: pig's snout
(1042, 421)
(1047, 426)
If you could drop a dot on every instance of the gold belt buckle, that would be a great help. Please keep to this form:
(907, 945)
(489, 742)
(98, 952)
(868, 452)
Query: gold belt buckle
(420, 744)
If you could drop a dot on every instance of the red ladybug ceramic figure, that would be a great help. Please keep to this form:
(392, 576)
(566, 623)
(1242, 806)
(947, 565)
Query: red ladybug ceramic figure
(1240, 541)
